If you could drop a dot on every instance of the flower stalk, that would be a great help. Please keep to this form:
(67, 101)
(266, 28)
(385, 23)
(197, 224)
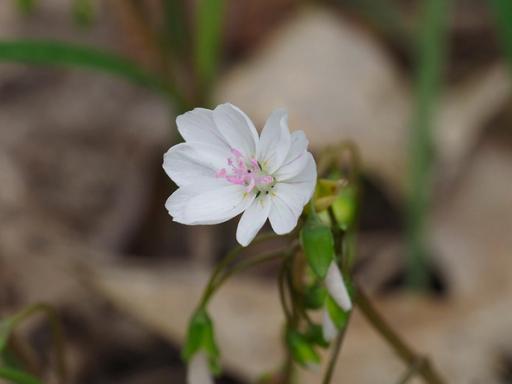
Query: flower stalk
(426, 369)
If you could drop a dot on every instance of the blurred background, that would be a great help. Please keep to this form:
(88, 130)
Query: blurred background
(89, 92)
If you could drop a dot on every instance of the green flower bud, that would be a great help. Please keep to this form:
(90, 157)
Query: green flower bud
(314, 296)
(201, 337)
(318, 244)
(338, 316)
(301, 348)
(344, 207)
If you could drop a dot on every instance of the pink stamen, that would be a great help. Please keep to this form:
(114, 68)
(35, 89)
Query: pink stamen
(245, 172)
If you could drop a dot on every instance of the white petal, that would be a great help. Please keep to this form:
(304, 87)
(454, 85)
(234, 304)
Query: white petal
(336, 287)
(253, 219)
(299, 145)
(293, 194)
(198, 371)
(236, 128)
(305, 181)
(185, 163)
(217, 205)
(178, 200)
(198, 126)
(283, 217)
(275, 141)
(293, 168)
(329, 329)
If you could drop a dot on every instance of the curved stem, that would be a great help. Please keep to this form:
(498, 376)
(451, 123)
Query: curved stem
(401, 348)
(336, 352)
(226, 261)
(247, 264)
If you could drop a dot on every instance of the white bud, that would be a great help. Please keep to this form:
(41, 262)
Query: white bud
(329, 329)
(336, 287)
(198, 370)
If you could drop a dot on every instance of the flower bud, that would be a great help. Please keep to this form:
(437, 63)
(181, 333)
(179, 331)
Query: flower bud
(198, 371)
(318, 245)
(329, 329)
(302, 349)
(336, 287)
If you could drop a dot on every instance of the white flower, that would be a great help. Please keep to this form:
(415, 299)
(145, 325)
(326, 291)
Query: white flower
(198, 371)
(329, 329)
(336, 287)
(224, 169)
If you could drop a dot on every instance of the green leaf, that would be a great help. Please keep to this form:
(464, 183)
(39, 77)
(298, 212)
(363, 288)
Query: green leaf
(430, 61)
(176, 34)
(209, 20)
(55, 53)
(26, 6)
(201, 337)
(344, 207)
(503, 15)
(301, 348)
(318, 244)
(18, 377)
(338, 316)
(6, 327)
(314, 296)
(315, 335)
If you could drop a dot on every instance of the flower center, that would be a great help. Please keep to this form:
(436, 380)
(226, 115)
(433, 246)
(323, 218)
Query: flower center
(246, 172)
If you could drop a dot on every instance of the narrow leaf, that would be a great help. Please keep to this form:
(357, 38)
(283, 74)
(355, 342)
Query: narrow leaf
(18, 377)
(503, 15)
(209, 20)
(430, 59)
(55, 53)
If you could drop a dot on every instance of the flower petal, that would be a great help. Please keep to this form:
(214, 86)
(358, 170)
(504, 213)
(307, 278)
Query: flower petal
(329, 329)
(283, 217)
(236, 128)
(178, 200)
(198, 371)
(253, 219)
(336, 287)
(185, 163)
(299, 188)
(198, 126)
(275, 141)
(293, 168)
(299, 145)
(217, 205)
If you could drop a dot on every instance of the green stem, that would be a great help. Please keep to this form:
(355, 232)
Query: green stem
(249, 263)
(430, 60)
(401, 348)
(335, 353)
(226, 261)
(411, 371)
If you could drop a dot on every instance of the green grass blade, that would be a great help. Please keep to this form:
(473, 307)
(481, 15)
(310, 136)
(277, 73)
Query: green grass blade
(503, 14)
(56, 53)
(209, 21)
(176, 34)
(26, 6)
(18, 377)
(430, 56)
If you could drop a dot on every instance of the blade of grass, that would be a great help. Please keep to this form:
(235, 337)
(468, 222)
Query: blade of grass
(18, 377)
(26, 6)
(209, 18)
(55, 53)
(8, 325)
(430, 56)
(176, 34)
(384, 15)
(503, 14)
